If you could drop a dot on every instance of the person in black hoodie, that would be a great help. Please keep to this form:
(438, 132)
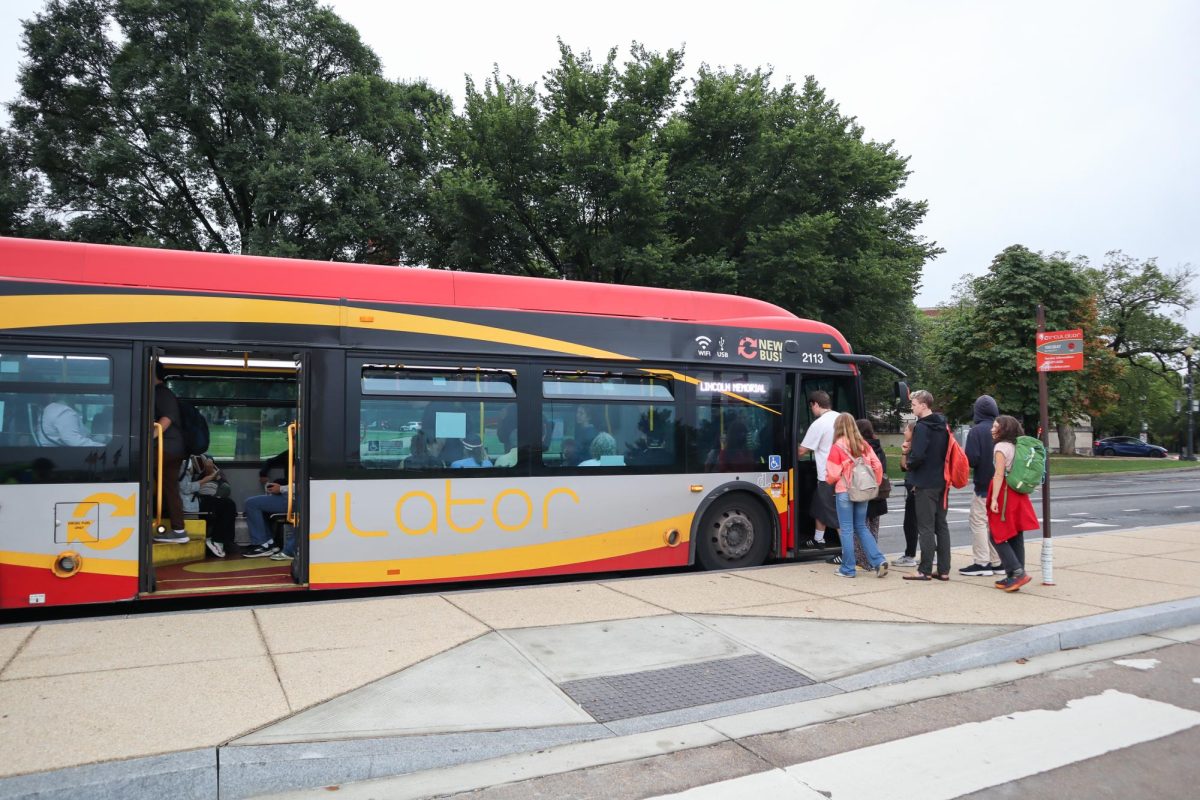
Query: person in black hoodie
(979, 456)
(927, 473)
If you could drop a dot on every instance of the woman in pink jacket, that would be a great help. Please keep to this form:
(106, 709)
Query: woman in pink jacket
(848, 449)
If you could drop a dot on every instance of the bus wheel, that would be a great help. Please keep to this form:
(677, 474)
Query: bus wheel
(734, 533)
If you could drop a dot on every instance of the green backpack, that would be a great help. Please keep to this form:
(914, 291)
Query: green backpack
(1028, 469)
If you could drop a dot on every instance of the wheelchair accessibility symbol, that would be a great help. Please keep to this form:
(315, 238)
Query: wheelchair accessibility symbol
(774, 463)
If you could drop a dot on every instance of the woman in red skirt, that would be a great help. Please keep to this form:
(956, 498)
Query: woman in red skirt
(1010, 513)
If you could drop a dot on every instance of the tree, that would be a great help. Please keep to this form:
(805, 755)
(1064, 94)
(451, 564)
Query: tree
(21, 193)
(776, 194)
(985, 343)
(567, 184)
(252, 126)
(1141, 306)
(1146, 396)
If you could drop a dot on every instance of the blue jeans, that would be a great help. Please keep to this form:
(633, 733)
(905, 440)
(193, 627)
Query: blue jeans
(258, 512)
(852, 521)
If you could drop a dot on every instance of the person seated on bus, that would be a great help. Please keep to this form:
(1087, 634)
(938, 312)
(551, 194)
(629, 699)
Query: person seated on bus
(258, 519)
(102, 425)
(736, 455)
(62, 426)
(419, 455)
(604, 452)
(509, 458)
(475, 457)
(274, 469)
(204, 491)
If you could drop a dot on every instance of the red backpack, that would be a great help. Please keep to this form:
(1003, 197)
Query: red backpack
(957, 471)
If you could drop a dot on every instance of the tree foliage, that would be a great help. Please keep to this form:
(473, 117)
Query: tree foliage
(1141, 307)
(570, 183)
(985, 343)
(1146, 395)
(252, 126)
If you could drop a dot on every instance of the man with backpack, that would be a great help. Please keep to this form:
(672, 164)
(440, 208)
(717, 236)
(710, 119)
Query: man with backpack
(166, 414)
(926, 473)
(979, 448)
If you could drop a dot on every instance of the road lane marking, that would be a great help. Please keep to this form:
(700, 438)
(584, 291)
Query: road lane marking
(1138, 663)
(986, 754)
(1129, 510)
(1183, 506)
(1094, 525)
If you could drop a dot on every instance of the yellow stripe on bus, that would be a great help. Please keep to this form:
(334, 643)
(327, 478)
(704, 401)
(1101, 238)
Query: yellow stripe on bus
(613, 544)
(41, 311)
(91, 564)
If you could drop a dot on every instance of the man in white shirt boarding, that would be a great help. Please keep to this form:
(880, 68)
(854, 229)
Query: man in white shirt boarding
(818, 440)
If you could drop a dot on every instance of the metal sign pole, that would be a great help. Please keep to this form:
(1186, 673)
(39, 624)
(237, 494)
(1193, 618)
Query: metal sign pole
(1044, 411)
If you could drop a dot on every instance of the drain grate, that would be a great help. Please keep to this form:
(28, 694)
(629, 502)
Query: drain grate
(651, 692)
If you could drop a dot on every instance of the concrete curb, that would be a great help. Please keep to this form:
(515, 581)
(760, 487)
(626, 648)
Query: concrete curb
(241, 771)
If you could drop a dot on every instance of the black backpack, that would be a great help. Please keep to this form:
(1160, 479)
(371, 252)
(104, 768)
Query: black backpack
(194, 428)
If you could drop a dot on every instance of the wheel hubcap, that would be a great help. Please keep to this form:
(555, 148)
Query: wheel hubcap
(734, 534)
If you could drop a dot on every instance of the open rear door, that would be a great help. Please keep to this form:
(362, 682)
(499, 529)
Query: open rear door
(298, 471)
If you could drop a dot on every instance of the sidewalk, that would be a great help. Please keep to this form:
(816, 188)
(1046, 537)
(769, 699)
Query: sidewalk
(318, 693)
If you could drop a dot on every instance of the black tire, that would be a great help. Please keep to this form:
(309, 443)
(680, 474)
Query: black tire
(1108, 451)
(735, 532)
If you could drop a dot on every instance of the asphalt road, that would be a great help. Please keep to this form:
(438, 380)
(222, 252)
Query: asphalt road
(1079, 505)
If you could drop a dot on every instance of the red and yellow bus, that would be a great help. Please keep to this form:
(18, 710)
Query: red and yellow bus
(438, 426)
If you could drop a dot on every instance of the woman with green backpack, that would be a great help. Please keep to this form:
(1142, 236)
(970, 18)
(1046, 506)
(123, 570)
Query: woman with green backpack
(1010, 512)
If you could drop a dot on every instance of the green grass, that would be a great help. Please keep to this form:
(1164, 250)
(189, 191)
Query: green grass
(1074, 465)
(1097, 465)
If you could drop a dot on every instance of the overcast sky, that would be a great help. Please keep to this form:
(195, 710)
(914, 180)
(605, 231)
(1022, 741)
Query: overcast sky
(1057, 125)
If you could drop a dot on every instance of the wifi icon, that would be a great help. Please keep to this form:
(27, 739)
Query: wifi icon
(704, 342)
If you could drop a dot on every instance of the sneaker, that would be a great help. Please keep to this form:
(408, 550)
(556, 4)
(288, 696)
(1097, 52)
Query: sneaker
(997, 569)
(1003, 583)
(815, 544)
(280, 556)
(259, 551)
(171, 537)
(841, 574)
(882, 570)
(977, 571)
(1016, 582)
(216, 548)
(834, 560)
(905, 561)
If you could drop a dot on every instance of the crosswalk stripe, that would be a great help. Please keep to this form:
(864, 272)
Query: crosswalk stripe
(987, 754)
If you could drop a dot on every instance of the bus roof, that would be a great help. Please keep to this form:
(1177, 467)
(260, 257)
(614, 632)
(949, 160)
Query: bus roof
(142, 267)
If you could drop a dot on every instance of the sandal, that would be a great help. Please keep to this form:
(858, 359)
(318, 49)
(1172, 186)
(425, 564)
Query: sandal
(920, 576)
(940, 576)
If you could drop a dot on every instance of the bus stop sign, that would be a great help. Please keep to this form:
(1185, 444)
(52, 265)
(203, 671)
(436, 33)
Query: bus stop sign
(1059, 351)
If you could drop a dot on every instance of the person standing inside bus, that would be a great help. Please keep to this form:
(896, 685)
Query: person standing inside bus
(848, 448)
(979, 455)
(926, 472)
(585, 431)
(166, 414)
(818, 440)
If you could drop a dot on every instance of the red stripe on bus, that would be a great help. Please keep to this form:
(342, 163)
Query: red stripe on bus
(17, 583)
(649, 559)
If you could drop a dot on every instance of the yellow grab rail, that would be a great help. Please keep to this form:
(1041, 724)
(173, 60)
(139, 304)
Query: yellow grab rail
(291, 472)
(158, 437)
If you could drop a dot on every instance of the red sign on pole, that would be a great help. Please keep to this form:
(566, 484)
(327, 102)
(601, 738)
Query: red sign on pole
(1059, 351)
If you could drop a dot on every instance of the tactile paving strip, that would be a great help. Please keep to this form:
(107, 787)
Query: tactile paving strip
(636, 694)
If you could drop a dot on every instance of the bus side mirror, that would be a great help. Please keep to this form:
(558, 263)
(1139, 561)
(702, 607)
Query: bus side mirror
(901, 393)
